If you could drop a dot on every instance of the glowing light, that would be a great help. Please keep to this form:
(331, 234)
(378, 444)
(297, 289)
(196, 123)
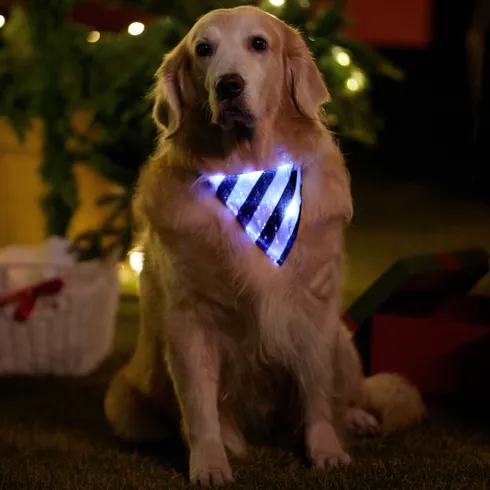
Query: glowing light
(242, 190)
(291, 210)
(286, 230)
(136, 259)
(359, 77)
(216, 180)
(352, 85)
(2, 20)
(267, 205)
(277, 3)
(356, 81)
(341, 56)
(136, 28)
(93, 36)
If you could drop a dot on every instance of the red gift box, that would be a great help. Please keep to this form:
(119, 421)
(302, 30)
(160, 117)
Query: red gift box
(418, 320)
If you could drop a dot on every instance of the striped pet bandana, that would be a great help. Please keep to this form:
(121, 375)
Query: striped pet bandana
(267, 204)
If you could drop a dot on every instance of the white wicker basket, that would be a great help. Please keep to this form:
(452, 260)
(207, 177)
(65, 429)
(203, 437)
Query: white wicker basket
(69, 333)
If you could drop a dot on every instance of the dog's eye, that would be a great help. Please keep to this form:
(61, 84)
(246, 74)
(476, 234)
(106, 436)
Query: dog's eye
(203, 49)
(259, 43)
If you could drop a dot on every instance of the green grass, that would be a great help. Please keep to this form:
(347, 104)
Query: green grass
(53, 436)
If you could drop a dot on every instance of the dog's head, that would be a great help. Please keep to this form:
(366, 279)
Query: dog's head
(240, 66)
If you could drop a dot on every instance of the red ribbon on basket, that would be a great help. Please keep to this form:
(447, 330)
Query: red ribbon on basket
(26, 298)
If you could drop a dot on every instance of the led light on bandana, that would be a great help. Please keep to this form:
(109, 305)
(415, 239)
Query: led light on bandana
(267, 204)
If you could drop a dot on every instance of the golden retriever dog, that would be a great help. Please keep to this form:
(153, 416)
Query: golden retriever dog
(230, 341)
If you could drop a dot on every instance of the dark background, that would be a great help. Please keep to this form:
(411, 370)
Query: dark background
(430, 120)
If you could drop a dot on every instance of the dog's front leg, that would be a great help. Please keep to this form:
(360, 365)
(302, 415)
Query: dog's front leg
(324, 447)
(317, 379)
(193, 358)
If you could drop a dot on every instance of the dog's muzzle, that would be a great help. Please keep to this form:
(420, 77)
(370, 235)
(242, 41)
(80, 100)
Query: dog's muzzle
(229, 87)
(230, 90)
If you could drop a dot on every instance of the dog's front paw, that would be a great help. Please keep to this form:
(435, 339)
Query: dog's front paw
(362, 422)
(209, 464)
(234, 442)
(324, 448)
(326, 458)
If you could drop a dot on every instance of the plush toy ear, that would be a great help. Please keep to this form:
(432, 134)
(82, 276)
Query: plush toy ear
(305, 82)
(173, 91)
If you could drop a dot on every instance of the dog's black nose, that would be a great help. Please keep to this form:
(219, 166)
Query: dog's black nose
(230, 86)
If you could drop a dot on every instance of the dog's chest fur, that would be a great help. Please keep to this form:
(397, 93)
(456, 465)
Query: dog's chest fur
(268, 317)
(274, 315)
(213, 258)
(252, 269)
(249, 283)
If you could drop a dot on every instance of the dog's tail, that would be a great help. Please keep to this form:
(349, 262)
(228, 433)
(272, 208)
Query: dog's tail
(394, 401)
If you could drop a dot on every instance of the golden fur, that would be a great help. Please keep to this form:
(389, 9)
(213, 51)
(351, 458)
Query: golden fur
(227, 338)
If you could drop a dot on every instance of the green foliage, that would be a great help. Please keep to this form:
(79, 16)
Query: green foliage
(91, 244)
(41, 78)
(49, 71)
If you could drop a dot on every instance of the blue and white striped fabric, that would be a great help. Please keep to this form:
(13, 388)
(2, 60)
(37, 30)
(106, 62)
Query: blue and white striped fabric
(267, 204)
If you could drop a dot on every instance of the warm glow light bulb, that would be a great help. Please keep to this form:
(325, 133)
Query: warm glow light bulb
(359, 77)
(341, 56)
(277, 3)
(136, 259)
(2, 20)
(352, 84)
(136, 28)
(356, 81)
(93, 36)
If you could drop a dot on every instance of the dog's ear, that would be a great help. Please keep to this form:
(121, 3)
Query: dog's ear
(305, 82)
(173, 91)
